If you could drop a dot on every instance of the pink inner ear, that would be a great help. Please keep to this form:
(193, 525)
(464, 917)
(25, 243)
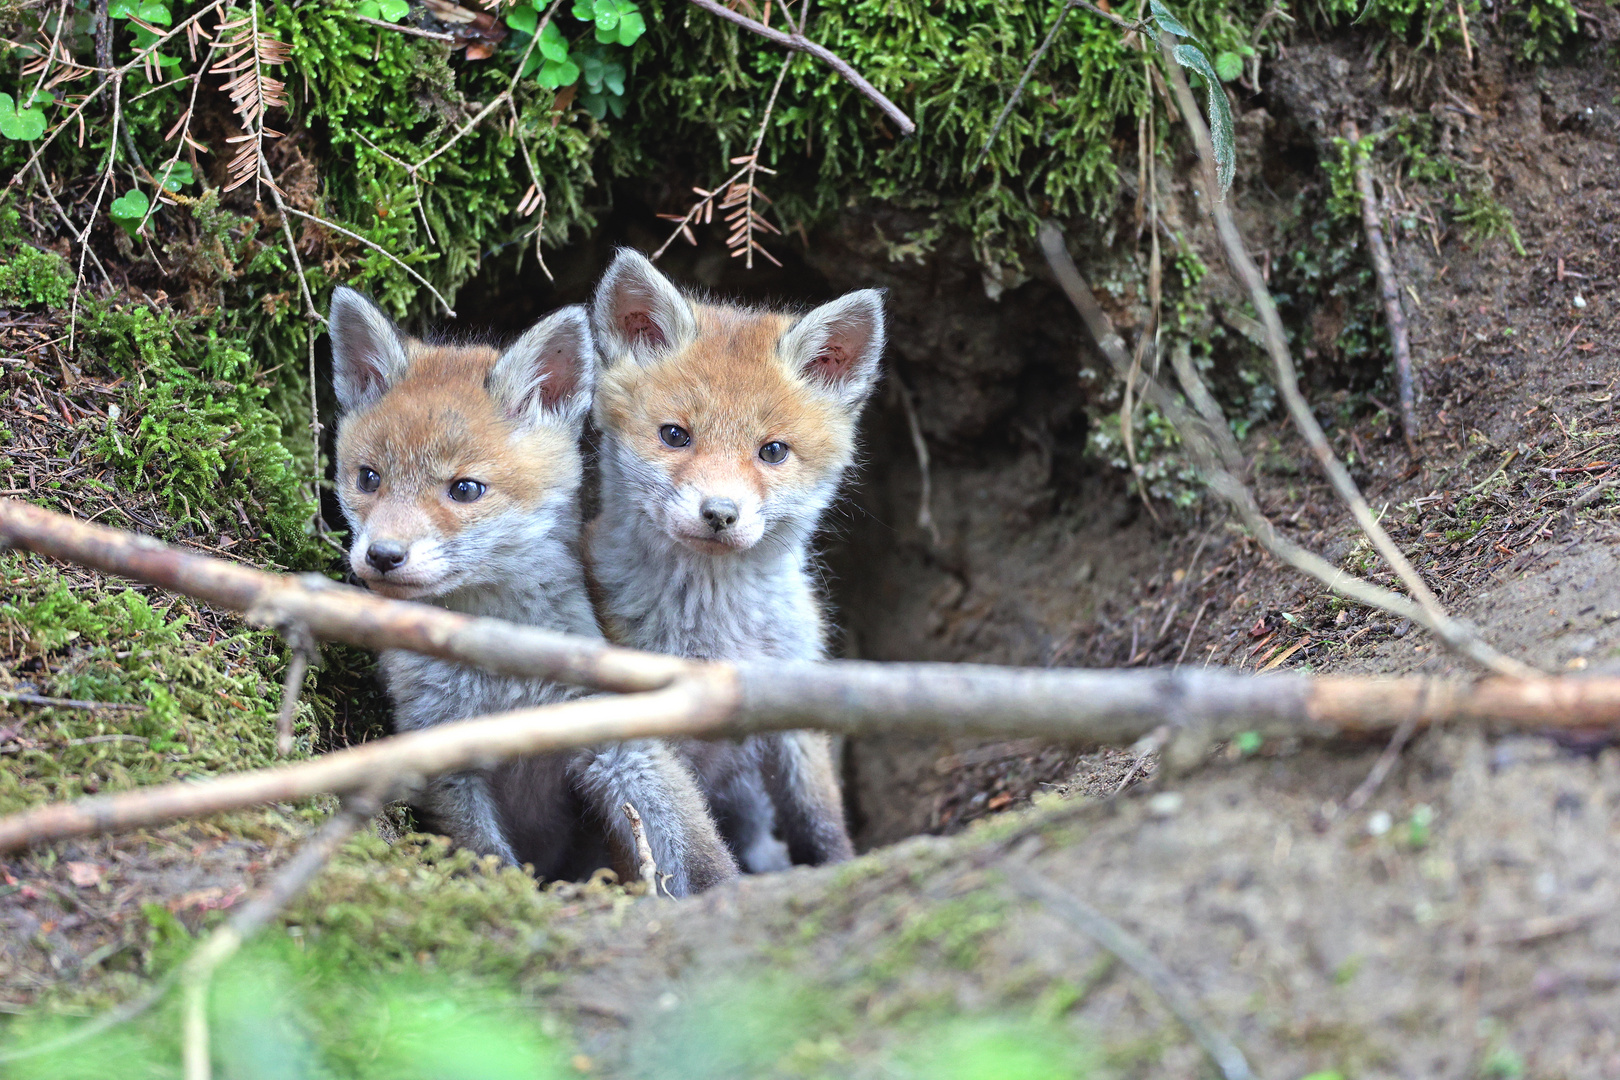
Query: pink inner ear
(559, 382)
(639, 326)
(832, 362)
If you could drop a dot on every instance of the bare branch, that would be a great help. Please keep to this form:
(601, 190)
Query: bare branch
(1389, 288)
(799, 43)
(1462, 639)
(384, 252)
(399, 29)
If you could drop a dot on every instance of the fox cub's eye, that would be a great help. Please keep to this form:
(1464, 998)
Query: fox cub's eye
(773, 453)
(675, 436)
(465, 491)
(367, 480)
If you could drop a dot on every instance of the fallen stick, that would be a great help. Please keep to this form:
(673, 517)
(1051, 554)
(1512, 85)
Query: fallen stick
(334, 612)
(1389, 289)
(715, 700)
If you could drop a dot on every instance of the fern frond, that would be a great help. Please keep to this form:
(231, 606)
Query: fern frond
(253, 92)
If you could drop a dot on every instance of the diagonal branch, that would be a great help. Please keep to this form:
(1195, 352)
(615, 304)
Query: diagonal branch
(692, 699)
(799, 43)
(1461, 638)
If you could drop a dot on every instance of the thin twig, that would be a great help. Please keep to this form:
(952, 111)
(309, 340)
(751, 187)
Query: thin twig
(799, 43)
(448, 310)
(1023, 80)
(67, 222)
(401, 29)
(536, 193)
(251, 917)
(925, 500)
(140, 58)
(646, 865)
(95, 210)
(1209, 441)
(63, 703)
(290, 880)
(302, 646)
(1111, 936)
(1460, 638)
(1389, 287)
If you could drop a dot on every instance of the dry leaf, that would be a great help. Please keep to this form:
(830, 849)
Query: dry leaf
(85, 875)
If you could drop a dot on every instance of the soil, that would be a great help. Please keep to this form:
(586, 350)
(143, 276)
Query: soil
(1461, 923)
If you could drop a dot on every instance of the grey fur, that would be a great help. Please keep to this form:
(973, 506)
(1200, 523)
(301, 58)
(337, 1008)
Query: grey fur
(660, 594)
(560, 812)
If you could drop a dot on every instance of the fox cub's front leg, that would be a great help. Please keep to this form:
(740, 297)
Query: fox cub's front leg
(675, 818)
(462, 806)
(799, 774)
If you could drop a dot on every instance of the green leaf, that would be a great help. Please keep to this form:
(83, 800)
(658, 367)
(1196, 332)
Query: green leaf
(555, 75)
(584, 11)
(616, 107)
(155, 12)
(1248, 742)
(631, 27)
(42, 97)
(23, 125)
(395, 10)
(553, 46)
(592, 67)
(613, 77)
(595, 104)
(129, 210)
(1168, 23)
(1220, 113)
(123, 9)
(523, 19)
(1228, 65)
(606, 15)
(177, 176)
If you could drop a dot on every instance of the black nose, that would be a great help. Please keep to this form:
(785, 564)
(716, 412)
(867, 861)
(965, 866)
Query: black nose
(721, 514)
(385, 555)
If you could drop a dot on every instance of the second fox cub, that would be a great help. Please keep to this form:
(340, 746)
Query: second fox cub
(458, 468)
(725, 434)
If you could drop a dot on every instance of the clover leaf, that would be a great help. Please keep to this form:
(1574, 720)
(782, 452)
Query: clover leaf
(24, 125)
(631, 27)
(177, 176)
(129, 210)
(385, 10)
(523, 18)
(553, 46)
(555, 75)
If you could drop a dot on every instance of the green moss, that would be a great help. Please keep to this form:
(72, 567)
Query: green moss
(29, 276)
(398, 965)
(194, 425)
(205, 697)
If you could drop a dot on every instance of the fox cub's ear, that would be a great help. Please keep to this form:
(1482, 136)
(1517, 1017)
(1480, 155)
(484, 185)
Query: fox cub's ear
(839, 346)
(638, 313)
(548, 371)
(368, 351)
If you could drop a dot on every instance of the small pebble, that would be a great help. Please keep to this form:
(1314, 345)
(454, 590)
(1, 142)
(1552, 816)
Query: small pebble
(1579, 301)
(1379, 822)
(1165, 804)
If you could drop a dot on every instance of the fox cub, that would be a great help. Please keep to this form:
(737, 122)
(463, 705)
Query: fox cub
(458, 468)
(725, 433)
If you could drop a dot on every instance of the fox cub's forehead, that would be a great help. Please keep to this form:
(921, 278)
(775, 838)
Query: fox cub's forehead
(731, 368)
(441, 418)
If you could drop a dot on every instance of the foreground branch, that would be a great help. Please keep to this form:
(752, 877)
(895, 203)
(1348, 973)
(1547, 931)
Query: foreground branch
(686, 699)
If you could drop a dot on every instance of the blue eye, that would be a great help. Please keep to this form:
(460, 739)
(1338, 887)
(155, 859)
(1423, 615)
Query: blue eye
(466, 491)
(773, 453)
(675, 436)
(367, 480)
